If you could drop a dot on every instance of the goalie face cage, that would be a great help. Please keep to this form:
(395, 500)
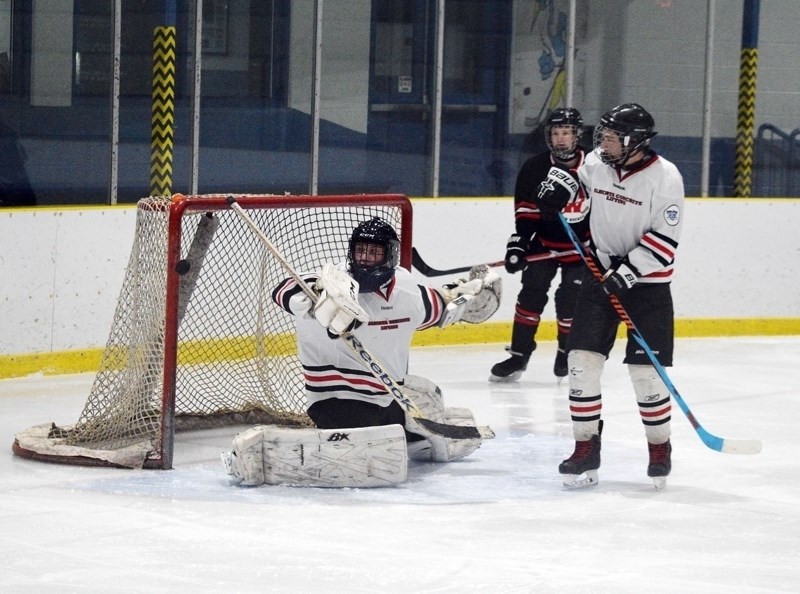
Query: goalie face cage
(196, 340)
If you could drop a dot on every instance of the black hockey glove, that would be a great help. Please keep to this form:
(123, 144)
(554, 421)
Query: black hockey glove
(516, 248)
(620, 278)
(558, 188)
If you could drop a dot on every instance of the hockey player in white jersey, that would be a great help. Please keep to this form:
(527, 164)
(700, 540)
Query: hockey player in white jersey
(636, 211)
(370, 295)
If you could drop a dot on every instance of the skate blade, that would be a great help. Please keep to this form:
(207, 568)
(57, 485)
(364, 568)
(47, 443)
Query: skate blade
(659, 482)
(579, 481)
(507, 379)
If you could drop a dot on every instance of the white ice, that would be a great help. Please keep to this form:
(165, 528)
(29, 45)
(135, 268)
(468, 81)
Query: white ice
(498, 521)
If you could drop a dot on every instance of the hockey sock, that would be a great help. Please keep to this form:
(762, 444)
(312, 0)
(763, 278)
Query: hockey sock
(523, 333)
(655, 405)
(585, 399)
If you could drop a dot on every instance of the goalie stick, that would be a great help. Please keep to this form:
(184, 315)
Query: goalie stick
(719, 444)
(427, 270)
(373, 365)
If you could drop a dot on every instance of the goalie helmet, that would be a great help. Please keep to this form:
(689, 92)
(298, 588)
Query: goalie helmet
(376, 232)
(632, 124)
(564, 148)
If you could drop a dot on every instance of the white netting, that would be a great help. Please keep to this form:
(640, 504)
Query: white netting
(236, 352)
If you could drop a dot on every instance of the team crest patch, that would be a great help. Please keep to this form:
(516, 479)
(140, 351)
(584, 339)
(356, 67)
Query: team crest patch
(672, 214)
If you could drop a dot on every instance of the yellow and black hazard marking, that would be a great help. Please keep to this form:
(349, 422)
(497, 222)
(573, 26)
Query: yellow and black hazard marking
(163, 111)
(748, 68)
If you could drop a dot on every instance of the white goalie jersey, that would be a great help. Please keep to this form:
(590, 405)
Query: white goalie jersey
(330, 368)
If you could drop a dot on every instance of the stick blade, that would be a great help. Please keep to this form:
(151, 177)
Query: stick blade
(747, 447)
(728, 446)
(455, 431)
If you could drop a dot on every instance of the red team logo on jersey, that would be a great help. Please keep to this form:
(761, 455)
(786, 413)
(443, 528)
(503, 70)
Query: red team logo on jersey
(577, 208)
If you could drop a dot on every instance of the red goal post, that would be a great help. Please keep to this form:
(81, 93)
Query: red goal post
(196, 341)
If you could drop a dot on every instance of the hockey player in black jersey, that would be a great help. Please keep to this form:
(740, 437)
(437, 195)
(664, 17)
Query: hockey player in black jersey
(637, 201)
(533, 235)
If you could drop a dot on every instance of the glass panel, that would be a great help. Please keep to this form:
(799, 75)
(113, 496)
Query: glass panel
(59, 139)
(473, 132)
(141, 22)
(255, 133)
(462, 47)
(15, 185)
(502, 75)
(398, 70)
(397, 143)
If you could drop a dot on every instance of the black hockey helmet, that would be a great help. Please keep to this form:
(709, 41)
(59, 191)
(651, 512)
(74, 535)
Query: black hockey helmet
(634, 126)
(375, 231)
(563, 117)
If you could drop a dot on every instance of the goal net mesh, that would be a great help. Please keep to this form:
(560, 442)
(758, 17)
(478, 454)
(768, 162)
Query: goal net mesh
(201, 325)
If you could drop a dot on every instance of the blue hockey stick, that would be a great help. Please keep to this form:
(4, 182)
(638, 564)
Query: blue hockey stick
(719, 444)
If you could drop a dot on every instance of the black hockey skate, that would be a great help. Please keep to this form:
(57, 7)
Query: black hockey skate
(580, 469)
(660, 463)
(560, 367)
(511, 369)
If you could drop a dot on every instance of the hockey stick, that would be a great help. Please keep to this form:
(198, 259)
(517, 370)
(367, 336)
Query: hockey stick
(426, 270)
(373, 365)
(719, 444)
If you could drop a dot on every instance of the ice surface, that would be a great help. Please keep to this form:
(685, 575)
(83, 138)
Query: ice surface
(498, 521)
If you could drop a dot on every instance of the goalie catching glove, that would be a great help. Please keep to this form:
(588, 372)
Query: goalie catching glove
(472, 300)
(558, 188)
(337, 308)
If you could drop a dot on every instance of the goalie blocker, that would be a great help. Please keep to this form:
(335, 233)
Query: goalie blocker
(354, 457)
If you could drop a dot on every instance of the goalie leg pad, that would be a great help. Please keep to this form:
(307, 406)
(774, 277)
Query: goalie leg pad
(305, 457)
(459, 416)
(426, 395)
(245, 461)
(435, 448)
(442, 449)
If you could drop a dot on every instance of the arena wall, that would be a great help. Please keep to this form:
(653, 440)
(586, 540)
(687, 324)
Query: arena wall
(737, 273)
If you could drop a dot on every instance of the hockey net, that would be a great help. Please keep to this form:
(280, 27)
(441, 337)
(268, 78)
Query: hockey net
(196, 341)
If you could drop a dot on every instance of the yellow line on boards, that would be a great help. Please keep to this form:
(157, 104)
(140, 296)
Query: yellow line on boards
(65, 362)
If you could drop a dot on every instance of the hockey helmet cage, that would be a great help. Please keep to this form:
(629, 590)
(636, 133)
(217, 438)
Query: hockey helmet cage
(375, 231)
(633, 125)
(563, 117)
